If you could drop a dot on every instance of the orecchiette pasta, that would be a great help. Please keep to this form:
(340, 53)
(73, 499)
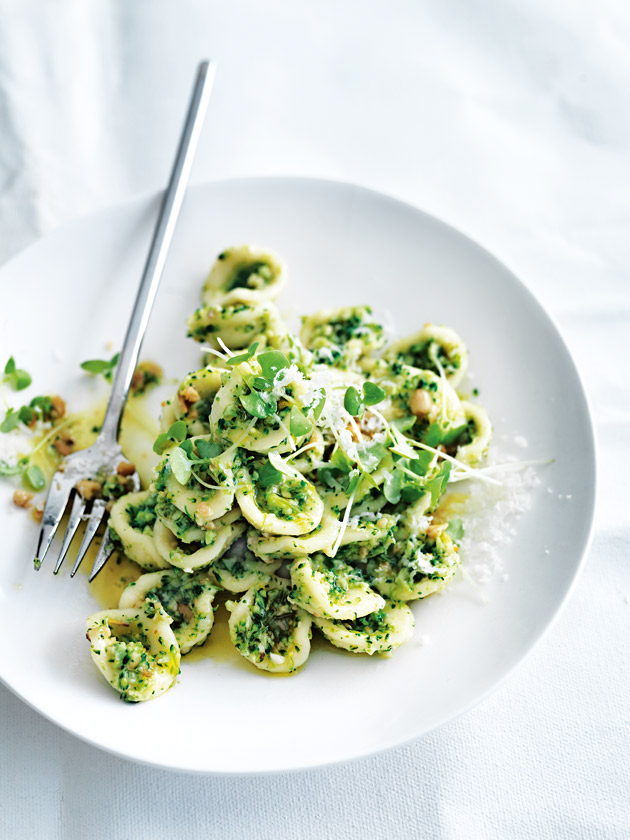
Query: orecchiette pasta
(304, 476)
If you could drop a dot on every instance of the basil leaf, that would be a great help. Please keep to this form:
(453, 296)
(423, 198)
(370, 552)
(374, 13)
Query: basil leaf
(268, 475)
(271, 362)
(298, 424)
(9, 423)
(455, 529)
(352, 401)
(372, 393)
(181, 466)
(10, 365)
(243, 357)
(34, 477)
(21, 379)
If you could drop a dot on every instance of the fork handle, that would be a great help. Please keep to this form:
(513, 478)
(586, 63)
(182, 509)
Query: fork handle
(162, 236)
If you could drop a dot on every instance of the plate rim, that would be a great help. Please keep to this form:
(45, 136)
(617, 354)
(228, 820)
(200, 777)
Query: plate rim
(152, 196)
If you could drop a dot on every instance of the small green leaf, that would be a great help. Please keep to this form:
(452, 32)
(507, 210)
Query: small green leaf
(160, 443)
(26, 415)
(411, 493)
(256, 406)
(9, 469)
(207, 450)
(21, 379)
(34, 478)
(340, 460)
(433, 435)
(352, 401)
(298, 424)
(268, 475)
(372, 393)
(400, 444)
(318, 406)
(180, 466)
(188, 447)
(455, 528)
(372, 456)
(177, 431)
(451, 435)
(403, 424)
(391, 486)
(243, 357)
(95, 366)
(10, 421)
(272, 361)
(258, 382)
(326, 475)
(355, 477)
(437, 485)
(420, 464)
(17, 378)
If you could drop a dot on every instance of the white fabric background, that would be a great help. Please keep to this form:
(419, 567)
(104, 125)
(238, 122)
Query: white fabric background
(510, 120)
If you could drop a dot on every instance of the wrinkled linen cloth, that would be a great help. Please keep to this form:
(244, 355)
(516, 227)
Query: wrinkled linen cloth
(510, 121)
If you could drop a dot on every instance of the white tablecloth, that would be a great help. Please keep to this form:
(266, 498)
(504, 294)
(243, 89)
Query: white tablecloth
(510, 120)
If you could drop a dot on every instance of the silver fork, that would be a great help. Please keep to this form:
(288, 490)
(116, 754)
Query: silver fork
(105, 455)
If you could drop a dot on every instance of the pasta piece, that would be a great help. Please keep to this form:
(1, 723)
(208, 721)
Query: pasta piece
(341, 337)
(420, 394)
(239, 570)
(417, 566)
(182, 526)
(237, 325)
(207, 493)
(434, 348)
(186, 598)
(197, 555)
(286, 504)
(479, 431)
(321, 538)
(131, 526)
(135, 650)
(268, 630)
(327, 587)
(193, 401)
(261, 426)
(378, 632)
(244, 274)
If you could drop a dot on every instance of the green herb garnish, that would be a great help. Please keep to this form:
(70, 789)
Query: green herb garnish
(16, 377)
(101, 366)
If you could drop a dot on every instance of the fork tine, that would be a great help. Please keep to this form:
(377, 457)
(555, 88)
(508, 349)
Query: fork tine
(78, 506)
(56, 502)
(104, 553)
(96, 514)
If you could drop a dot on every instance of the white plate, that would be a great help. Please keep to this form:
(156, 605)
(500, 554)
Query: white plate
(72, 292)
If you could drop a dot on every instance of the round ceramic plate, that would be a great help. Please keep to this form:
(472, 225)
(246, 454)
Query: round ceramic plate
(71, 293)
